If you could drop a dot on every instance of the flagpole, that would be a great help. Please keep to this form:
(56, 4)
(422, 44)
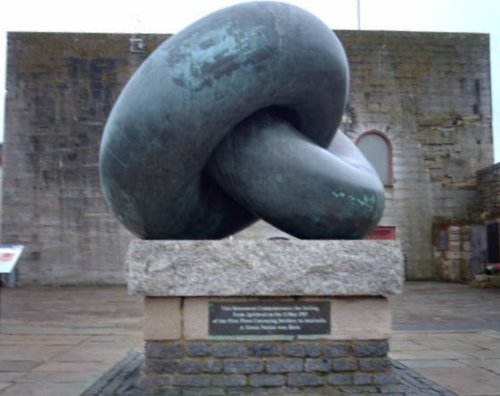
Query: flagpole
(359, 13)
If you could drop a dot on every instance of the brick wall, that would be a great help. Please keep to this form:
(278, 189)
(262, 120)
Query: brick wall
(429, 93)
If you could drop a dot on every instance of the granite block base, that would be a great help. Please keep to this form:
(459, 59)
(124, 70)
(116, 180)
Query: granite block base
(231, 318)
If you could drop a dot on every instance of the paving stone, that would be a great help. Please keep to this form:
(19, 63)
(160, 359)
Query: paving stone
(8, 376)
(100, 325)
(54, 366)
(384, 379)
(398, 387)
(45, 388)
(469, 380)
(18, 365)
(166, 392)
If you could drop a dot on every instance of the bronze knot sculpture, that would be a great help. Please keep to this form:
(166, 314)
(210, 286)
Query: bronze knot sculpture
(228, 121)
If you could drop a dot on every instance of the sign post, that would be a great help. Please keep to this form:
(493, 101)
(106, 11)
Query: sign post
(9, 256)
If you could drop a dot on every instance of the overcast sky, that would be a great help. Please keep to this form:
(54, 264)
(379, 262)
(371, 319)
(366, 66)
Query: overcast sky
(150, 16)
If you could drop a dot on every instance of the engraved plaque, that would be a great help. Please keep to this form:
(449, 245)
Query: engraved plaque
(269, 318)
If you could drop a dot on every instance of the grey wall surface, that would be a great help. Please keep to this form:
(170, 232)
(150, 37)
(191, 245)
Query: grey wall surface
(488, 196)
(60, 89)
(429, 93)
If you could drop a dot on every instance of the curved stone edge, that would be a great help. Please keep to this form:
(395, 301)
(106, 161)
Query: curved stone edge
(265, 268)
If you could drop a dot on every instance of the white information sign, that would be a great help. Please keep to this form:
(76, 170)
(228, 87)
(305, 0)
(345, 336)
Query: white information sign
(9, 255)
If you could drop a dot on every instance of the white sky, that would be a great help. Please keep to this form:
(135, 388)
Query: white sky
(150, 16)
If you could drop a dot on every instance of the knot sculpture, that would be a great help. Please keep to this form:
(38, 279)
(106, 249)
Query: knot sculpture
(229, 121)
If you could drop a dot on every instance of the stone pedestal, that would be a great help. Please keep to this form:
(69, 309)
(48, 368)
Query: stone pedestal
(234, 316)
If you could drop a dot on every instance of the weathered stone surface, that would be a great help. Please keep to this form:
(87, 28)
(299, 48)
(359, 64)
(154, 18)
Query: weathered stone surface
(53, 130)
(373, 349)
(345, 364)
(266, 380)
(249, 375)
(199, 349)
(264, 268)
(284, 365)
(265, 349)
(304, 380)
(335, 350)
(303, 349)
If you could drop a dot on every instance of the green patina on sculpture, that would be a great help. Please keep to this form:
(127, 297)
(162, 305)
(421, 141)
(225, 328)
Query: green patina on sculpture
(228, 121)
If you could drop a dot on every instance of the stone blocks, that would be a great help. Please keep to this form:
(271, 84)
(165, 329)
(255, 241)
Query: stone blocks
(187, 318)
(181, 280)
(172, 366)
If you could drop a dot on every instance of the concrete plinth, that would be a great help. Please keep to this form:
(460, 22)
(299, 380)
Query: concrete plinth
(332, 292)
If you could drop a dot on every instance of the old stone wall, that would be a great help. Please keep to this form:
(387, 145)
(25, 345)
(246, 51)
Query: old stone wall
(429, 93)
(463, 249)
(488, 193)
(60, 90)
(452, 251)
(248, 367)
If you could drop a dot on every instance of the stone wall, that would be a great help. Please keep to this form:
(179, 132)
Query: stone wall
(428, 92)
(461, 247)
(488, 193)
(452, 252)
(60, 90)
(286, 366)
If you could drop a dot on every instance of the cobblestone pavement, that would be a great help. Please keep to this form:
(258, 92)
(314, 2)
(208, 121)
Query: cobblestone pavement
(67, 340)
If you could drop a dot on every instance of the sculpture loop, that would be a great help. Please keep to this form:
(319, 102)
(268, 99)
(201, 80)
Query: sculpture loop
(229, 120)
